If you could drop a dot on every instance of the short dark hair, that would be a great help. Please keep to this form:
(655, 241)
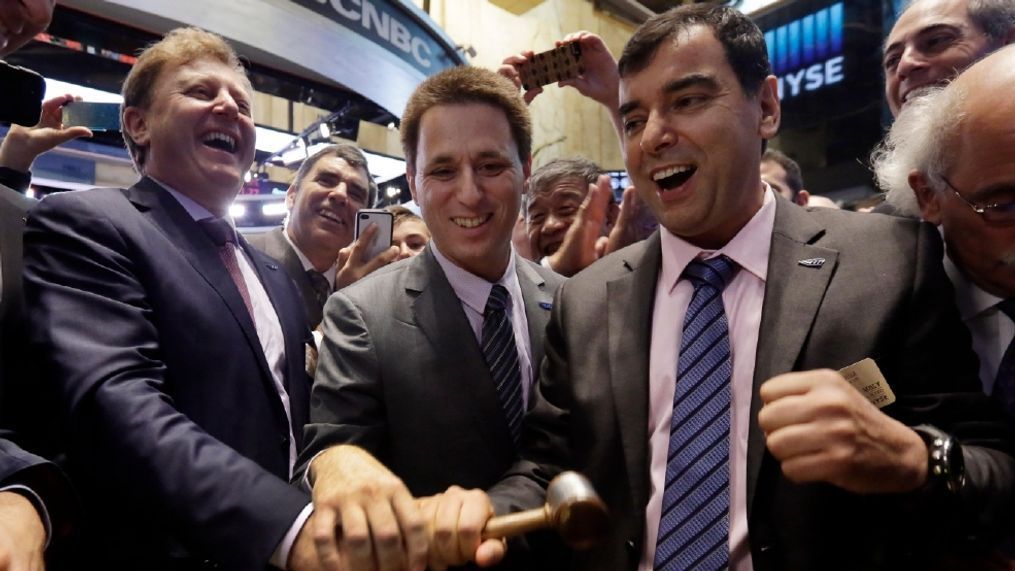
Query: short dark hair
(350, 154)
(740, 37)
(557, 170)
(794, 177)
(460, 86)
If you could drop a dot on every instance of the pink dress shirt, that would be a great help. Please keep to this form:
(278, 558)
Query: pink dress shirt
(743, 299)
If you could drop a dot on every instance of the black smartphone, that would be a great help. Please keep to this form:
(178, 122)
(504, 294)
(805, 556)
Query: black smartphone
(383, 219)
(552, 66)
(21, 95)
(95, 116)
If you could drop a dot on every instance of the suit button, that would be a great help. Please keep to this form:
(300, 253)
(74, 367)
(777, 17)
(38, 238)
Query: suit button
(284, 440)
(631, 547)
(765, 548)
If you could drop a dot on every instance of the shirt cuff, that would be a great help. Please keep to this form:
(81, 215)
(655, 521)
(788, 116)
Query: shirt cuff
(40, 507)
(281, 556)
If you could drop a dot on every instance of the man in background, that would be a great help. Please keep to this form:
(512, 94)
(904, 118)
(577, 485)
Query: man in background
(329, 188)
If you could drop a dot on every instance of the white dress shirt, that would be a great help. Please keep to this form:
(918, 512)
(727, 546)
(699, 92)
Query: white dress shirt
(473, 291)
(991, 329)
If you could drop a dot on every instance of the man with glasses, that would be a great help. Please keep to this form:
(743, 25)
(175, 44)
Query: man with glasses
(963, 174)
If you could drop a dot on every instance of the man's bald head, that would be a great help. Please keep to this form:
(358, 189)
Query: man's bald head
(21, 20)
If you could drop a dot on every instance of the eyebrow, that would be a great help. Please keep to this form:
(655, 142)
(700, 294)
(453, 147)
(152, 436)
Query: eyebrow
(922, 31)
(690, 80)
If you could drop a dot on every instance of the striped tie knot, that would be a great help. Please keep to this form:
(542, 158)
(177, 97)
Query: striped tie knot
(497, 301)
(716, 272)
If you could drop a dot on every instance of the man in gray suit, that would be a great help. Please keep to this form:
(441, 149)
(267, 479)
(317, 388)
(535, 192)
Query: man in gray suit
(428, 363)
(314, 245)
(692, 376)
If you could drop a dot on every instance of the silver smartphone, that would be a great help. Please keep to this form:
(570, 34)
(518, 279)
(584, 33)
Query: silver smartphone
(383, 219)
(95, 116)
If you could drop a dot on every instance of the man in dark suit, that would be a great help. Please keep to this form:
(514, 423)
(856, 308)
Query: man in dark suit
(37, 504)
(689, 376)
(406, 369)
(328, 189)
(176, 348)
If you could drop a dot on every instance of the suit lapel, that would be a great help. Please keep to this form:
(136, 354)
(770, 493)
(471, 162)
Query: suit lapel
(537, 303)
(176, 224)
(629, 303)
(438, 313)
(793, 294)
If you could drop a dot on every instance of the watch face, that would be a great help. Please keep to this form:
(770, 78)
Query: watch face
(956, 476)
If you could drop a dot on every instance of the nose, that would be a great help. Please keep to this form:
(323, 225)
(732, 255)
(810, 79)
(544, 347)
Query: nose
(469, 192)
(404, 251)
(657, 135)
(226, 104)
(554, 223)
(340, 193)
(909, 62)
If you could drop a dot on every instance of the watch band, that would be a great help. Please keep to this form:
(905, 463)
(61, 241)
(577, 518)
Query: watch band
(945, 465)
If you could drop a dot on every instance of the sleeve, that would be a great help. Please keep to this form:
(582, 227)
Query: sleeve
(347, 400)
(50, 488)
(91, 317)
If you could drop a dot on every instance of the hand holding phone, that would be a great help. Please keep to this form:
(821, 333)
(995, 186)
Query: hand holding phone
(559, 64)
(382, 239)
(95, 116)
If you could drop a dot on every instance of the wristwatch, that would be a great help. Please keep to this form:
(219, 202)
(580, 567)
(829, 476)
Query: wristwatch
(946, 469)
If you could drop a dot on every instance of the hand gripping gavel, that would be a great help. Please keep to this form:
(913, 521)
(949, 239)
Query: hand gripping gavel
(572, 508)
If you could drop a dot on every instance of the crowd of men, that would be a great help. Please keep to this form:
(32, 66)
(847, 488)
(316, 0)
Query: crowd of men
(747, 382)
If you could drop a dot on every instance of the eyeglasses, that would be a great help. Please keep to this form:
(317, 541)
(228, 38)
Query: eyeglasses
(997, 213)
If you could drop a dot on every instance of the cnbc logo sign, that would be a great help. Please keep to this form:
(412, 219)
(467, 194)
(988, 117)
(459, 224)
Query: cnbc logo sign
(806, 54)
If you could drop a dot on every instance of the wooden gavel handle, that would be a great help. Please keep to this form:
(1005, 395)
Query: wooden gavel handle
(517, 523)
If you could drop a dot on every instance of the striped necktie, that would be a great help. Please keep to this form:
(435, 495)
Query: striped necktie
(694, 522)
(501, 356)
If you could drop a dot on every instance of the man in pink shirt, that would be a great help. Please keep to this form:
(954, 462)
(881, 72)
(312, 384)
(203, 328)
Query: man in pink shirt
(692, 377)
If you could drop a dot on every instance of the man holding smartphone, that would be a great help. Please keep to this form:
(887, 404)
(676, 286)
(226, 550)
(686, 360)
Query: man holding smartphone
(317, 246)
(428, 363)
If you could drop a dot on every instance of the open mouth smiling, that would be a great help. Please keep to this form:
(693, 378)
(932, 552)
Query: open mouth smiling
(673, 177)
(220, 141)
(471, 222)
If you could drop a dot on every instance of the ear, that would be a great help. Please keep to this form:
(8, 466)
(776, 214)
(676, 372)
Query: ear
(803, 197)
(135, 124)
(928, 198)
(290, 197)
(410, 177)
(771, 111)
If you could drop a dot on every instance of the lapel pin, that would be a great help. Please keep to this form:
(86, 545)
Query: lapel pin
(273, 267)
(812, 262)
(546, 305)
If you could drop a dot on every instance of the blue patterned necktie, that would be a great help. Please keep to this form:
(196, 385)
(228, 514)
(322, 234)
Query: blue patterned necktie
(694, 522)
(1004, 383)
(501, 356)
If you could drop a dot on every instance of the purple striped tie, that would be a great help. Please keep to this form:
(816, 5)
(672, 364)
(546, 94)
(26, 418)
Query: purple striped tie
(501, 356)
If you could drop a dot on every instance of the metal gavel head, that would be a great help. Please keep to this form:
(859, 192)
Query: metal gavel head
(575, 510)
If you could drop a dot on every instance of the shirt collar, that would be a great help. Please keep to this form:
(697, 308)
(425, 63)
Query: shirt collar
(749, 248)
(969, 297)
(195, 210)
(471, 289)
(307, 265)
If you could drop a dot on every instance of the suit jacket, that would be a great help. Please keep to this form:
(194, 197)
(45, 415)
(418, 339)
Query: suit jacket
(18, 467)
(178, 438)
(401, 375)
(881, 293)
(275, 244)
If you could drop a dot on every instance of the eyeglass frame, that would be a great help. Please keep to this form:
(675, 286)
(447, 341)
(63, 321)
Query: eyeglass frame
(983, 210)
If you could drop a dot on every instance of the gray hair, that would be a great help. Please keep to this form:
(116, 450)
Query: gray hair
(995, 17)
(557, 170)
(919, 141)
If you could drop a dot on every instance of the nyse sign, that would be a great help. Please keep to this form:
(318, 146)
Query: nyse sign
(807, 54)
(811, 78)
